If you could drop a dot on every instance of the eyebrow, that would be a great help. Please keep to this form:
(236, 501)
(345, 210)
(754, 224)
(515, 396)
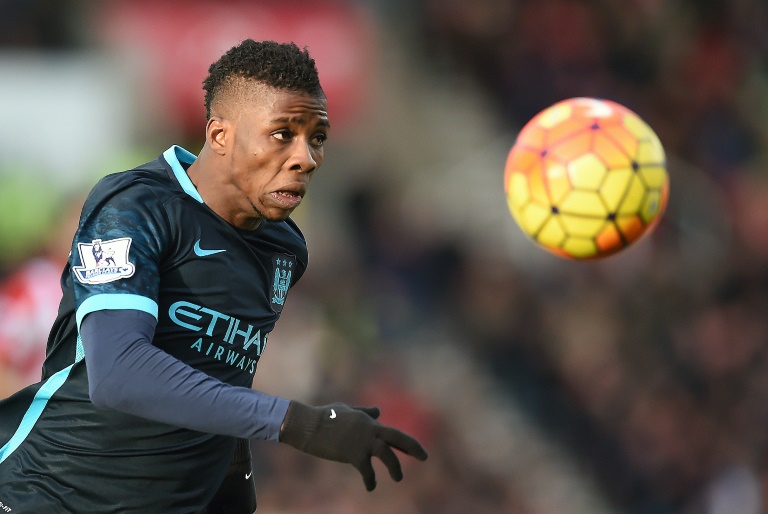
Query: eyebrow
(321, 123)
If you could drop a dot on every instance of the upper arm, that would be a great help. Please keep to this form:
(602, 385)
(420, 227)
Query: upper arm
(118, 250)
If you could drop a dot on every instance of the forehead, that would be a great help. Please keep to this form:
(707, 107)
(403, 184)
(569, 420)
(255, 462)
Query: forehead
(270, 103)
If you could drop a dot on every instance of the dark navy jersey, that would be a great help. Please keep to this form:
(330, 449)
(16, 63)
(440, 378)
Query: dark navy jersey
(146, 242)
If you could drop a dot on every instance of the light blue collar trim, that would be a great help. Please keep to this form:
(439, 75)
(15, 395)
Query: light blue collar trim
(174, 156)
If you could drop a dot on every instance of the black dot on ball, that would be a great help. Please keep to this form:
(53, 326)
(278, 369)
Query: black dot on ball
(555, 210)
(635, 165)
(544, 153)
(612, 216)
(595, 126)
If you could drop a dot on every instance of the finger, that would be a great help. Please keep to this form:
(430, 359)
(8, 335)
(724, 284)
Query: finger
(403, 442)
(369, 477)
(384, 452)
(373, 412)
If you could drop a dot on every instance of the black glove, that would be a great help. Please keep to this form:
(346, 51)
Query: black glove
(348, 434)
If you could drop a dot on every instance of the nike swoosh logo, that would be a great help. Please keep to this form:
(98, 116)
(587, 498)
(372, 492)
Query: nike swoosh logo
(247, 476)
(204, 253)
(333, 414)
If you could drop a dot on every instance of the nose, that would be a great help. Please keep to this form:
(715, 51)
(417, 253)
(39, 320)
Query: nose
(302, 158)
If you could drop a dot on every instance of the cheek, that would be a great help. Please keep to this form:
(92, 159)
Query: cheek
(252, 177)
(248, 149)
(318, 156)
(246, 179)
(246, 160)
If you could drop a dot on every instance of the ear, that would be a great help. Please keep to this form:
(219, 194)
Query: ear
(217, 134)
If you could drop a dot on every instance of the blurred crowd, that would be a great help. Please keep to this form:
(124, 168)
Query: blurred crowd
(646, 374)
(650, 368)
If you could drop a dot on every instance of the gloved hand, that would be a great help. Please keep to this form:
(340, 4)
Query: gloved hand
(348, 434)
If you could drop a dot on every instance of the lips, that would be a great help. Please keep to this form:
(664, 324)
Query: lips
(288, 197)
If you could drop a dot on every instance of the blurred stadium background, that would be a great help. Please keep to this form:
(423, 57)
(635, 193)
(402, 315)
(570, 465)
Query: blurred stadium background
(540, 386)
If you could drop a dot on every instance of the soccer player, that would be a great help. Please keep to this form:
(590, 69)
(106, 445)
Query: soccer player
(146, 402)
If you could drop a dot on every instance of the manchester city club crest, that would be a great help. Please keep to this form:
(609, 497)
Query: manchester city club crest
(282, 266)
(104, 261)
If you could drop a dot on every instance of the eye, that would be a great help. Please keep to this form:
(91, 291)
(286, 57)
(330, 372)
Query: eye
(319, 139)
(283, 135)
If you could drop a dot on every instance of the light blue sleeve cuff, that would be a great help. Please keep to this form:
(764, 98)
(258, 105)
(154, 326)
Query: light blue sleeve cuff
(114, 301)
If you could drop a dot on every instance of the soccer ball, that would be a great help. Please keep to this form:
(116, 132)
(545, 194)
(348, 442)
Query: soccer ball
(586, 178)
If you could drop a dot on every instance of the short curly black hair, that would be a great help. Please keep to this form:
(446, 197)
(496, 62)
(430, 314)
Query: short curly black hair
(279, 65)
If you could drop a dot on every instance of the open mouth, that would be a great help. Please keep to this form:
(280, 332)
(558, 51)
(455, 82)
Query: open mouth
(289, 198)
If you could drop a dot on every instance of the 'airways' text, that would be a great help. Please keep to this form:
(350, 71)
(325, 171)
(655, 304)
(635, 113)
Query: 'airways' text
(231, 357)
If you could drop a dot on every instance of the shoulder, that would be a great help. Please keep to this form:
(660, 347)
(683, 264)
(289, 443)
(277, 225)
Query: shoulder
(140, 187)
(286, 236)
(292, 230)
(284, 231)
(149, 176)
(130, 200)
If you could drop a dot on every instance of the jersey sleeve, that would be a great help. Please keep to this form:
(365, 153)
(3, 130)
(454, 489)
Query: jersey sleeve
(133, 376)
(118, 249)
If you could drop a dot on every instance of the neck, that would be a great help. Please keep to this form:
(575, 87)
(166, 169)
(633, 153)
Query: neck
(219, 195)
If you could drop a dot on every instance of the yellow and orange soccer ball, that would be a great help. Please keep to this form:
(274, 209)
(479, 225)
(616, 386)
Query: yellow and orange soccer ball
(586, 178)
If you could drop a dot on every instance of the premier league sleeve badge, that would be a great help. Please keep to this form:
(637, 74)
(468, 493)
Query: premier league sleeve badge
(104, 261)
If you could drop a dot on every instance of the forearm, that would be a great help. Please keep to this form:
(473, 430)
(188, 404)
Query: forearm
(127, 373)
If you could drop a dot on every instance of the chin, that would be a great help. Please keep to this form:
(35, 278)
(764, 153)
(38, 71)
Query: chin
(271, 214)
(278, 216)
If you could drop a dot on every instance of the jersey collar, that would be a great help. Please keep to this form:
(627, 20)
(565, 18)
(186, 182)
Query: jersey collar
(174, 156)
